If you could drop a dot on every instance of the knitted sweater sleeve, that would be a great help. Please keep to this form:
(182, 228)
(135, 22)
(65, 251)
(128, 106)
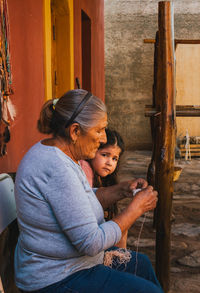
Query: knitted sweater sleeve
(80, 214)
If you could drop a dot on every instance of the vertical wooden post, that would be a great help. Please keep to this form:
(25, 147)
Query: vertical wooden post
(151, 167)
(165, 144)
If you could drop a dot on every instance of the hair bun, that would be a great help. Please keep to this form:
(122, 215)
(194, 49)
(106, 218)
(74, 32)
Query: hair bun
(44, 122)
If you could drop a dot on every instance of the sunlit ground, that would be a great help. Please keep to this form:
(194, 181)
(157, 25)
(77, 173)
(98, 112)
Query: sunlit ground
(185, 237)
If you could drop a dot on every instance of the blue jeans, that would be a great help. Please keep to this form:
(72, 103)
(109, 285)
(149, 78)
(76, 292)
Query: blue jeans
(118, 279)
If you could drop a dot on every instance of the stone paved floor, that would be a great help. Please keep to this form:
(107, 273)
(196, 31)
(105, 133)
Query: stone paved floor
(185, 245)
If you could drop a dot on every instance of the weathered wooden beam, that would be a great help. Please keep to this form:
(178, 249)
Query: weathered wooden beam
(189, 42)
(165, 144)
(176, 41)
(193, 154)
(181, 111)
(151, 167)
(194, 150)
(188, 110)
(149, 41)
(192, 146)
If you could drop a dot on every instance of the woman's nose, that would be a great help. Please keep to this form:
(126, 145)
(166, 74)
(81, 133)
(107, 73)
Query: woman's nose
(103, 138)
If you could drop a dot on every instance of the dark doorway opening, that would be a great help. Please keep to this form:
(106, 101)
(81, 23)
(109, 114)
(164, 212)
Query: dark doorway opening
(86, 51)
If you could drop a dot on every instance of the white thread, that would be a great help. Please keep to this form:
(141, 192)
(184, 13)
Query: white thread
(138, 240)
(117, 257)
(123, 255)
(135, 191)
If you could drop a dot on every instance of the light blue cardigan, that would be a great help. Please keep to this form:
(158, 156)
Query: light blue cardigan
(62, 227)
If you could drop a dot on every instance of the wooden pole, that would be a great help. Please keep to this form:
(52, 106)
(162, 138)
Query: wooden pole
(181, 111)
(165, 100)
(177, 41)
(151, 167)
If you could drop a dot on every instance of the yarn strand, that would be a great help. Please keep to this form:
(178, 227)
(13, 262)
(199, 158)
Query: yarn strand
(138, 241)
(121, 255)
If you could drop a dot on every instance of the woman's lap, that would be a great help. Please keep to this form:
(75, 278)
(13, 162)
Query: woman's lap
(140, 266)
(103, 279)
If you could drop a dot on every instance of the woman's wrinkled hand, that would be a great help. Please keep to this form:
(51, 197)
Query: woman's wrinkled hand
(138, 183)
(146, 199)
(127, 187)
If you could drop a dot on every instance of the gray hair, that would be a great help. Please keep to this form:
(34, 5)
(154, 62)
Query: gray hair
(53, 118)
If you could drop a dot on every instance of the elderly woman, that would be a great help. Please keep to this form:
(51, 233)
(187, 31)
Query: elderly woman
(63, 235)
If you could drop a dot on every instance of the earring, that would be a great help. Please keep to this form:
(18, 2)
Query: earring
(74, 141)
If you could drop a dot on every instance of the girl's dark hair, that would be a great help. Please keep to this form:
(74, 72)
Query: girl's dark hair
(53, 118)
(113, 138)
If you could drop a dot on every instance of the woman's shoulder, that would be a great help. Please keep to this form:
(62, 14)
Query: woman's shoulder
(38, 151)
(44, 158)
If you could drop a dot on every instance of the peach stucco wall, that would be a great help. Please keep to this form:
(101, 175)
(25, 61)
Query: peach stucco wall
(26, 45)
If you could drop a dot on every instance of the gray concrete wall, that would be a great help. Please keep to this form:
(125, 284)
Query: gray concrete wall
(129, 62)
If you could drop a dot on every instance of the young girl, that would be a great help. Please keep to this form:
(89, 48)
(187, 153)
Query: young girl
(102, 170)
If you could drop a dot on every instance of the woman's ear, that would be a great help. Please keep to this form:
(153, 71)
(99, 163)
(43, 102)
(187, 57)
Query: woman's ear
(74, 132)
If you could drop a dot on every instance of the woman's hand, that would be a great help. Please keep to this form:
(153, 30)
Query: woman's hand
(109, 195)
(145, 200)
(127, 187)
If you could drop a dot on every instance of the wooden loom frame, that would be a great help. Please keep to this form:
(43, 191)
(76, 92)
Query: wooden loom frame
(162, 115)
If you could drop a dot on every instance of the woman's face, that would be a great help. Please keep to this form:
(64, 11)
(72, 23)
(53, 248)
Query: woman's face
(106, 159)
(88, 143)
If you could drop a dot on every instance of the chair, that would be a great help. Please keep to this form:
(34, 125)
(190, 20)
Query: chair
(8, 233)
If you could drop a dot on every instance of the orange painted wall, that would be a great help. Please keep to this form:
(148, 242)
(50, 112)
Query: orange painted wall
(26, 45)
(27, 63)
(95, 10)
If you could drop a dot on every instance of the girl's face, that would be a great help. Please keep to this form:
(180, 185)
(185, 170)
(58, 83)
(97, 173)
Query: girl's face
(106, 159)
